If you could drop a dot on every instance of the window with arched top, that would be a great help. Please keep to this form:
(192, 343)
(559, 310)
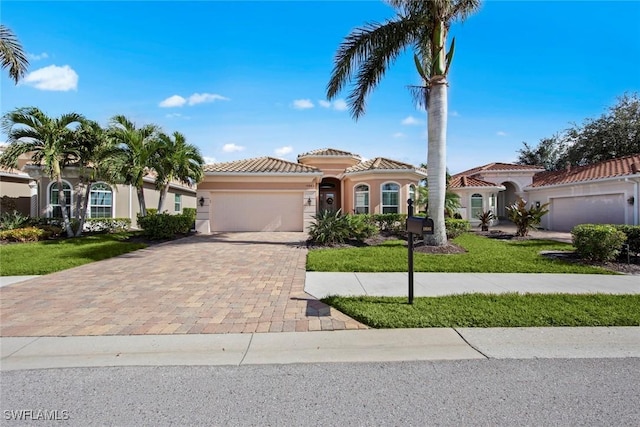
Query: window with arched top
(476, 205)
(55, 208)
(361, 205)
(101, 201)
(390, 198)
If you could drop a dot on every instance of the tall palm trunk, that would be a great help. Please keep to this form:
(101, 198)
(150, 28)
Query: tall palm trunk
(62, 199)
(84, 206)
(164, 192)
(141, 203)
(437, 159)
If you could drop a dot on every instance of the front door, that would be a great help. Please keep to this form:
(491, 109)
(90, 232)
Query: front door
(328, 201)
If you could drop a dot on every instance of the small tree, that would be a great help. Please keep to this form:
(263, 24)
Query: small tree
(524, 218)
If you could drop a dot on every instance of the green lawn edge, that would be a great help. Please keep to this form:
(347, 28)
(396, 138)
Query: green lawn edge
(484, 255)
(38, 258)
(492, 310)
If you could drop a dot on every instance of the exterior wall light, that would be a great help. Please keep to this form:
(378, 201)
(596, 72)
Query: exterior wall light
(201, 201)
(631, 200)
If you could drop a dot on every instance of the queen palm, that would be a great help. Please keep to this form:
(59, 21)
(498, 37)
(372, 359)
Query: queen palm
(138, 150)
(423, 26)
(177, 161)
(11, 54)
(49, 141)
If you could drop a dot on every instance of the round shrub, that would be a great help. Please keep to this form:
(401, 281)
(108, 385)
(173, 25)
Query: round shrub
(597, 242)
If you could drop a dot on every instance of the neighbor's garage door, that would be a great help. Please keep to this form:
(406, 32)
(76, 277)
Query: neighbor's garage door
(567, 212)
(256, 211)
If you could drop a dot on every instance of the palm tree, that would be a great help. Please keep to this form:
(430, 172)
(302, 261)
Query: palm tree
(423, 26)
(50, 141)
(138, 149)
(11, 54)
(177, 161)
(98, 155)
(451, 201)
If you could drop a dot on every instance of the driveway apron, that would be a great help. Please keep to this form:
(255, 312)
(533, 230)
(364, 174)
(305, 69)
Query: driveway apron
(222, 283)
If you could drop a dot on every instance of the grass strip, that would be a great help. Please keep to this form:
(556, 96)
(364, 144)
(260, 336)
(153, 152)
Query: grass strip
(56, 255)
(484, 256)
(492, 310)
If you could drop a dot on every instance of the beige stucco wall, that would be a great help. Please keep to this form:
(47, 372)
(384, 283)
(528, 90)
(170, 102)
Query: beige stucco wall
(375, 184)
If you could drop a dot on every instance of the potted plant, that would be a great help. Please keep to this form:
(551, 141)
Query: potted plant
(485, 218)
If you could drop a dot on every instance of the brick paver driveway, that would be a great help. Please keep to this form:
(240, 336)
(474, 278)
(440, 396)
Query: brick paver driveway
(232, 282)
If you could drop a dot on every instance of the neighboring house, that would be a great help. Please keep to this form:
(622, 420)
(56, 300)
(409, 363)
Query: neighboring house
(606, 192)
(269, 194)
(39, 197)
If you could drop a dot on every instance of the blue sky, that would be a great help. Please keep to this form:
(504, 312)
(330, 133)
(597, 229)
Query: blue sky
(248, 79)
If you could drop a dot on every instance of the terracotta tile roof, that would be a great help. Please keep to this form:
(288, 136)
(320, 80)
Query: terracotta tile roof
(328, 152)
(380, 163)
(260, 165)
(464, 181)
(623, 166)
(497, 166)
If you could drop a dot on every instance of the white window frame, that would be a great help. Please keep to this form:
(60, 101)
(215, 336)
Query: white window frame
(53, 186)
(91, 205)
(357, 192)
(383, 191)
(475, 210)
(177, 202)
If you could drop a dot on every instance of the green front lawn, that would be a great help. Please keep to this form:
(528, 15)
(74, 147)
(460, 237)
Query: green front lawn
(484, 256)
(488, 311)
(55, 255)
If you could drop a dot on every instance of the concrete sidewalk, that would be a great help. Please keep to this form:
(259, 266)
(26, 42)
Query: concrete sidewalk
(317, 347)
(321, 285)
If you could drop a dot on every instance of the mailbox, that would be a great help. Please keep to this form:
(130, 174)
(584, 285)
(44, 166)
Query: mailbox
(419, 225)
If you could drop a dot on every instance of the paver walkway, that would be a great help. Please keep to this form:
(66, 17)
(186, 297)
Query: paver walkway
(223, 283)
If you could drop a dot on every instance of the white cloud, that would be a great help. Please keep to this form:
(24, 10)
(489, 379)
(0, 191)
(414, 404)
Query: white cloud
(454, 114)
(411, 121)
(340, 105)
(283, 151)
(200, 98)
(231, 148)
(501, 133)
(302, 104)
(173, 101)
(37, 57)
(53, 78)
(399, 135)
(209, 160)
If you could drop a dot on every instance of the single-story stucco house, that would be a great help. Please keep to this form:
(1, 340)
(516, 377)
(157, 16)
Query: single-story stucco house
(607, 192)
(34, 194)
(270, 194)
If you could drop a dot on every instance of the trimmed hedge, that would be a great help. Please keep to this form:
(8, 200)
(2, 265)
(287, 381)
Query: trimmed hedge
(392, 222)
(633, 236)
(597, 242)
(27, 234)
(456, 227)
(108, 225)
(165, 226)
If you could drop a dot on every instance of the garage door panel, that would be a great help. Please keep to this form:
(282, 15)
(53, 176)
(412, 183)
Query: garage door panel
(567, 212)
(267, 211)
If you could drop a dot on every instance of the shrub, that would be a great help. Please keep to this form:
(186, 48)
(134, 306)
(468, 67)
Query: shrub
(164, 225)
(107, 225)
(456, 227)
(485, 218)
(597, 242)
(633, 236)
(361, 227)
(329, 228)
(27, 234)
(12, 220)
(391, 222)
(524, 218)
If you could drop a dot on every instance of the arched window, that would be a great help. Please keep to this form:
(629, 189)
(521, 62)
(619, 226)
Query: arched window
(101, 201)
(476, 205)
(362, 199)
(55, 209)
(390, 198)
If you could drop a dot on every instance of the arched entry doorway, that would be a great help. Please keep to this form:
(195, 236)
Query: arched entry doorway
(329, 195)
(506, 198)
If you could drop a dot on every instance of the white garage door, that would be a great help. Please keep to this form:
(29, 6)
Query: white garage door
(257, 211)
(567, 212)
